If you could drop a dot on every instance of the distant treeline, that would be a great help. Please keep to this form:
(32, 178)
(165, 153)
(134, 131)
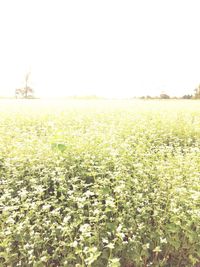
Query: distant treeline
(166, 96)
(163, 95)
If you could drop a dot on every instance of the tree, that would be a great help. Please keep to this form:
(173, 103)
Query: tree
(27, 91)
(187, 97)
(149, 97)
(164, 96)
(197, 92)
(26, 88)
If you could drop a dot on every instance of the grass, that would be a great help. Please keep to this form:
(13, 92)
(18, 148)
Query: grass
(99, 183)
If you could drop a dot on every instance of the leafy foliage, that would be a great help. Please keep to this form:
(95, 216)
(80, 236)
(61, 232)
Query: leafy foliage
(100, 184)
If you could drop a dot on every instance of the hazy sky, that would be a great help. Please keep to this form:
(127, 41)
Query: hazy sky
(103, 47)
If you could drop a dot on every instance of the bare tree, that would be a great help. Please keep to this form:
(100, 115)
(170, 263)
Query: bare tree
(26, 88)
(27, 91)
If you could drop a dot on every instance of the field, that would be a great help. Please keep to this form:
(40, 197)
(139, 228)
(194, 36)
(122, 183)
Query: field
(99, 183)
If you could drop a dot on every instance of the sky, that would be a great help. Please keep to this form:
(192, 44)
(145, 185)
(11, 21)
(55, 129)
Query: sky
(108, 48)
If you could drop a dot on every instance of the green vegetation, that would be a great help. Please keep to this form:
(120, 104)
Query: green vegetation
(99, 183)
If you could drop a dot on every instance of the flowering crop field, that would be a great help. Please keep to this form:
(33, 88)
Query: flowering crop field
(99, 183)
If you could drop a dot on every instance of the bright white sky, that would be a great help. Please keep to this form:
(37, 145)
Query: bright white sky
(104, 47)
